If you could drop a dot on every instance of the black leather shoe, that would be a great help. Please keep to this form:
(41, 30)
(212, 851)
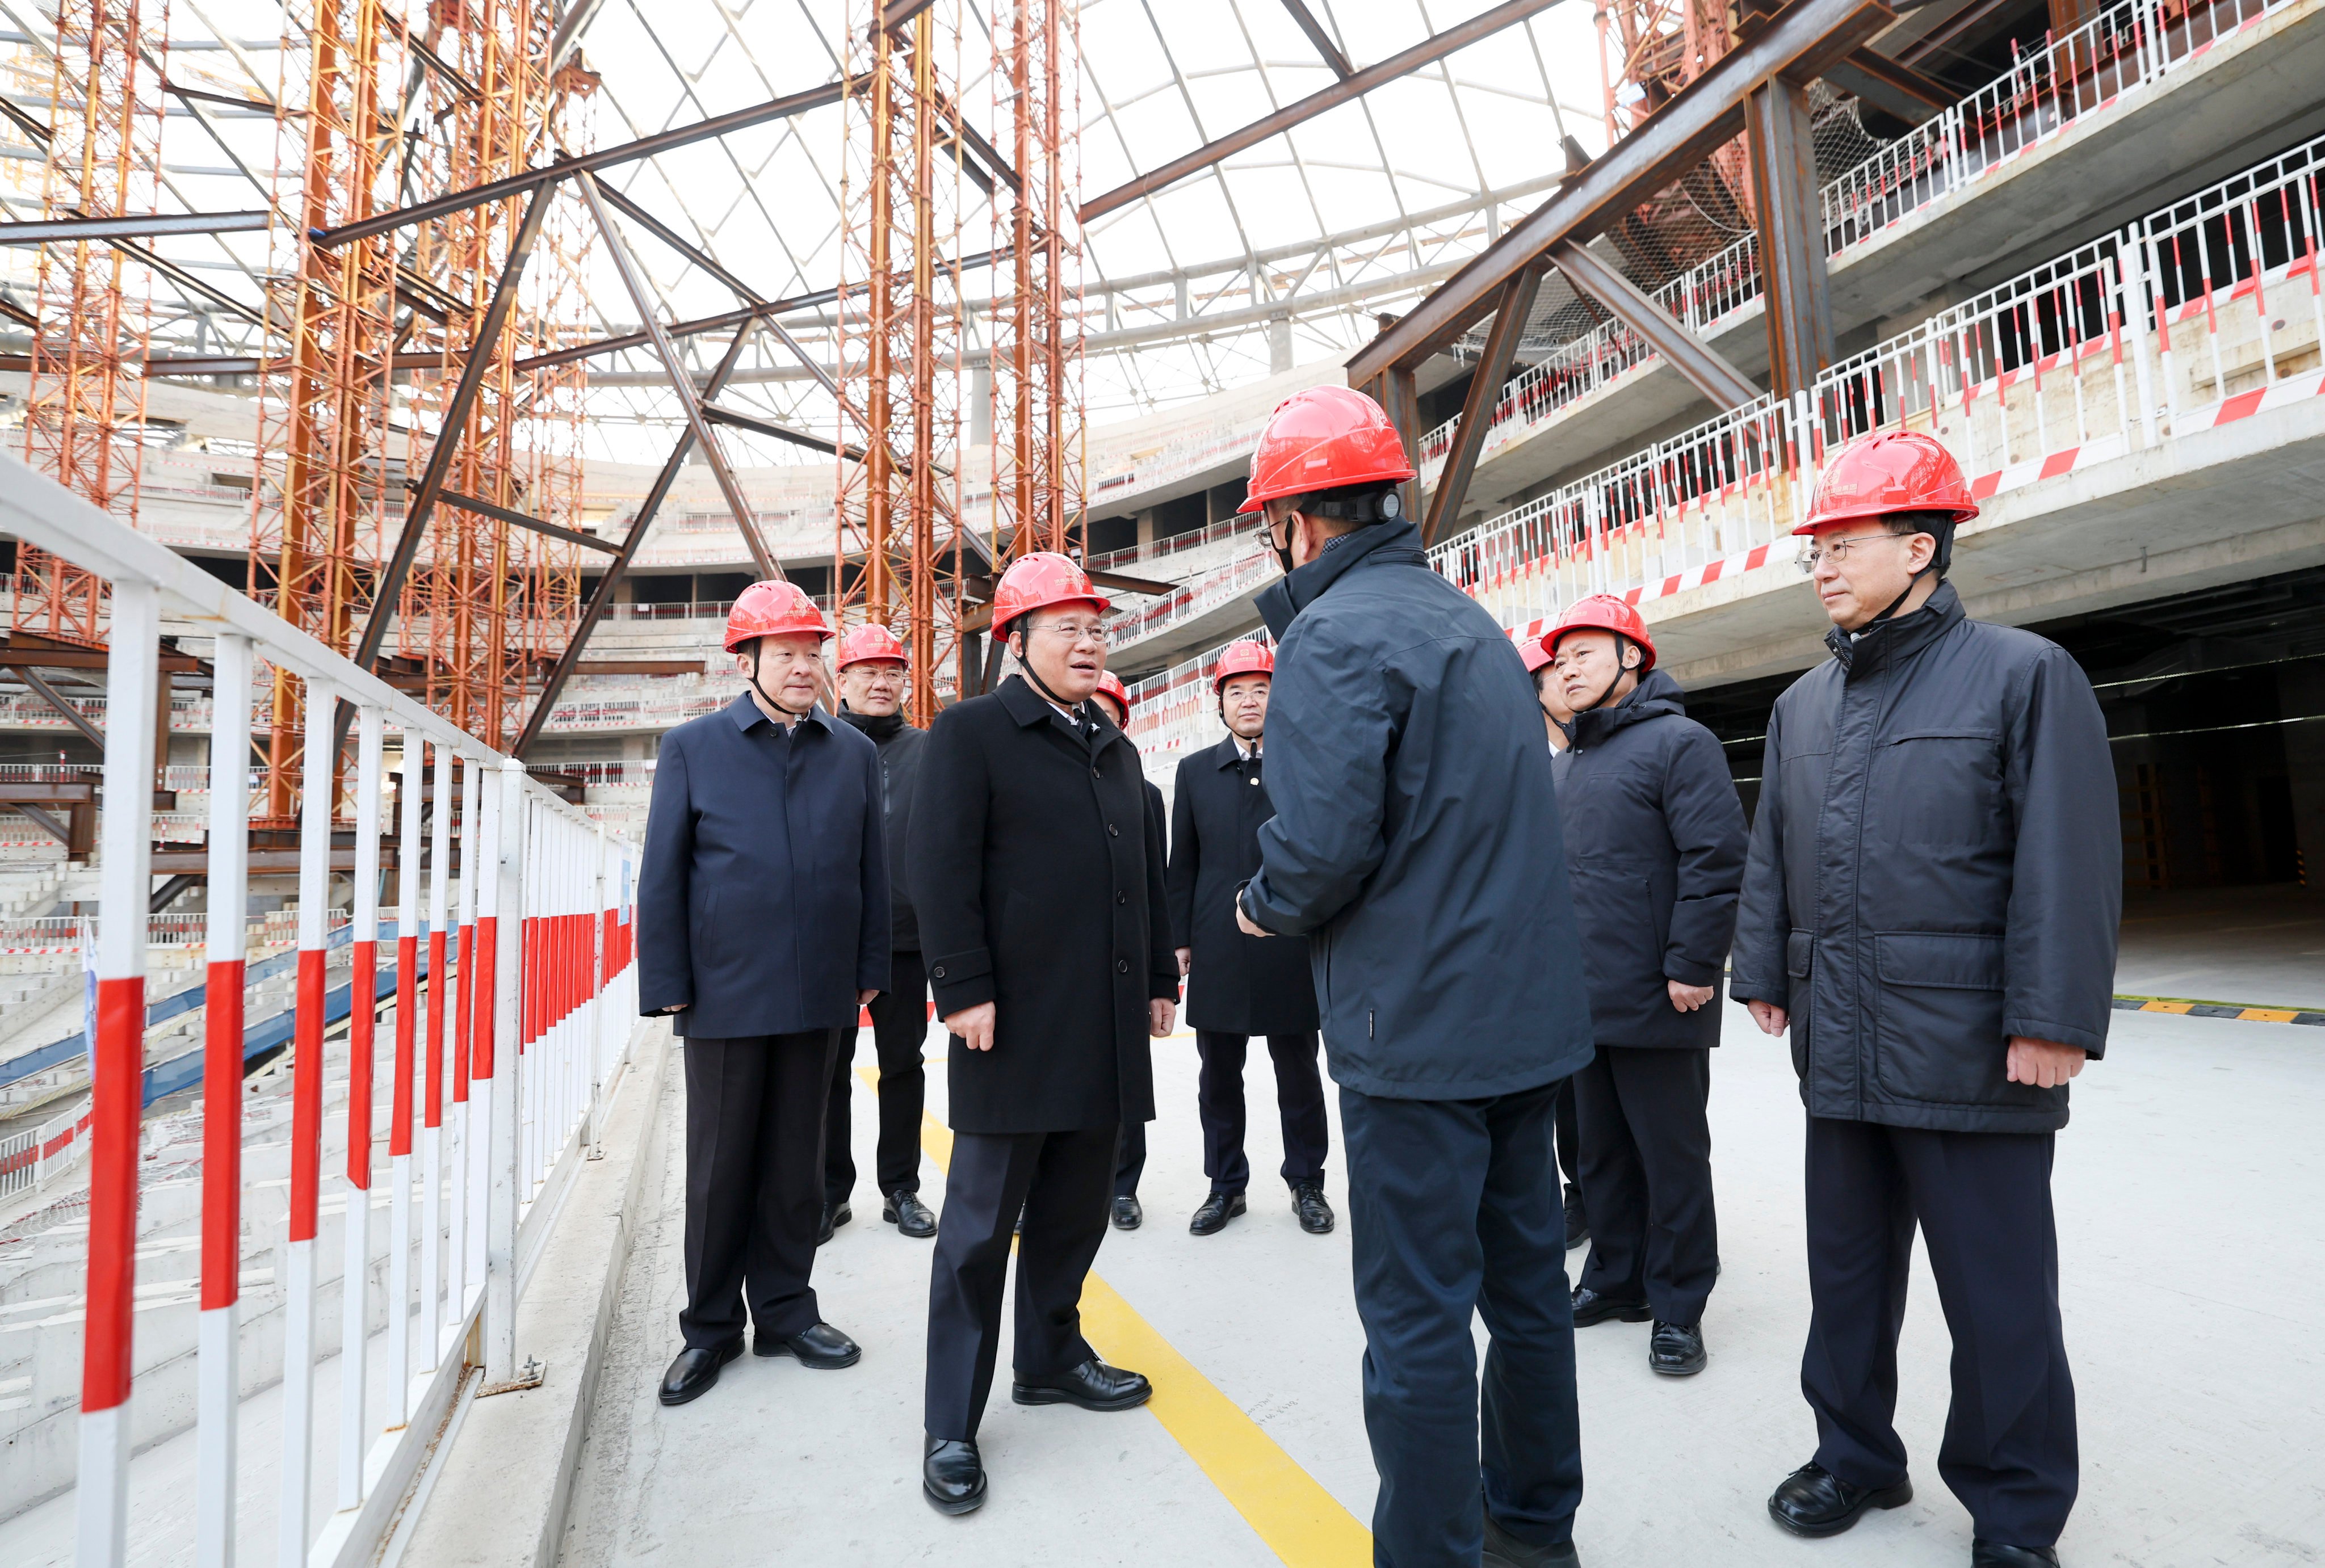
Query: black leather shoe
(1129, 1214)
(1813, 1501)
(1676, 1348)
(1315, 1214)
(833, 1218)
(1590, 1307)
(1216, 1210)
(690, 1375)
(822, 1347)
(952, 1475)
(909, 1215)
(1993, 1554)
(1578, 1223)
(1093, 1386)
(1504, 1549)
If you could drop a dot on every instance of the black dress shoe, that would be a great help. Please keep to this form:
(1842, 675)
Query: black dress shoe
(690, 1375)
(1216, 1210)
(833, 1218)
(1129, 1214)
(1590, 1307)
(1813, 1501)
(952, 1475)
(1676, 1348)
(1504, 1549)
(1578, 1223)
(822, 1347)
(1093, 1386)
(1994, 1554)
(1315, 1214)
(909, 1215)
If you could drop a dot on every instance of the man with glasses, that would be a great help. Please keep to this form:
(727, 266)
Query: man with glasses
(1930, 907)
(1037, 881)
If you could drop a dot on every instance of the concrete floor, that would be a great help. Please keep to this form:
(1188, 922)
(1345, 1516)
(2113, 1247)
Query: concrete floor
(2188, 1189)
(2258, 946)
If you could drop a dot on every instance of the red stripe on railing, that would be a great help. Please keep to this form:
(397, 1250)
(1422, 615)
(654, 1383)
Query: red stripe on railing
(407, 991)
(363, 1024)
(433, 1104)
(222, 1135)
(481, 1045)
(307, 1096)
(460, 1025)
(117, 1073)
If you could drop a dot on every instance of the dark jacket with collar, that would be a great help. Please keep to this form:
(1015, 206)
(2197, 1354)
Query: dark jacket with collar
(1654, 846)
(1037, 877)
(900, 760)
(1936, 865)
(763, 901)
(1415, 841)
(1235, 985)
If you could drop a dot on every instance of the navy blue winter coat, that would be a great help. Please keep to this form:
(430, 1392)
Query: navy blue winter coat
(763, 904)
(1415, 841)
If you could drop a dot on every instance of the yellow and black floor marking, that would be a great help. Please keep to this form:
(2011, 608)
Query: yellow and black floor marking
(2196, 1009)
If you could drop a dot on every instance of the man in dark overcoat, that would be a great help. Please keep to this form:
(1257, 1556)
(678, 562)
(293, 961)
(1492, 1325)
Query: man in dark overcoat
(1037, 877)
(1931, 909)
(1130, 1160)
(763, 926)
(1655, 848)
(1238, 986)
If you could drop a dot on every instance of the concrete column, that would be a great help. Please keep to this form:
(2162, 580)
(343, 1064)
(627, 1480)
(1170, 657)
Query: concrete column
(2301, 691)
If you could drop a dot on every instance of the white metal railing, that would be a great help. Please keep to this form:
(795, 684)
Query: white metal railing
(2045, 91)
(526, 1017)
(1174, 544)
(2196, 316)
(67, 933)
(1203, 593)
(28, 1160)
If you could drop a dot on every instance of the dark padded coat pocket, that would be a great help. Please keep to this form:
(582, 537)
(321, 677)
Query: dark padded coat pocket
(1938, 1035)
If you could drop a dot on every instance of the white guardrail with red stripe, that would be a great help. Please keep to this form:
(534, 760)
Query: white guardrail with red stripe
(2202, 314)
(528, 1012)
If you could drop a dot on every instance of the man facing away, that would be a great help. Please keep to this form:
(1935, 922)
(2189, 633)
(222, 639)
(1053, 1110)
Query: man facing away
(1931, 908)
(1654, 846)
(1238, 986)
(1415, 844)
(873, 667)
(763, 926)
(1555, 716)
(1037, 878)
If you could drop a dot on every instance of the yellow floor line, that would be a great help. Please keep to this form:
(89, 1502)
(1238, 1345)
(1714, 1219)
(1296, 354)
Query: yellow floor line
(1293, 1516)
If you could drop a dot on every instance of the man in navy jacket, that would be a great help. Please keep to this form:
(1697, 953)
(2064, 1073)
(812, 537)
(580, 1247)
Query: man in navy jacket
(763, 917)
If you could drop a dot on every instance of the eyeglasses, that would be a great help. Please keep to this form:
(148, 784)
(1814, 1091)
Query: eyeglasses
(1837, 549)
(1074, 631)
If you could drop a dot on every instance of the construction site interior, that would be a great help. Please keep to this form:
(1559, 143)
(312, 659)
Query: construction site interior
(496, 346)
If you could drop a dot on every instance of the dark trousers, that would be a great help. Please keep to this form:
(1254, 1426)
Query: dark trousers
(900, 1032)
(1453, 1211)
(754, 1197)
(1299, 1101)
(1129, 1159)
(1983, 1202)
(1061, 1179)
(1570, 1136)
(1646, 1177)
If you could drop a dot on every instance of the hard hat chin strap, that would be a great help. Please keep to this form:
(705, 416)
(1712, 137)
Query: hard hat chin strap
(1940, 559)
(768, 696)
(1025, 663)
(1621, 643)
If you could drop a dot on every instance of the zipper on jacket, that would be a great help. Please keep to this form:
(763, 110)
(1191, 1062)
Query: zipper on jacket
(1370, 1033)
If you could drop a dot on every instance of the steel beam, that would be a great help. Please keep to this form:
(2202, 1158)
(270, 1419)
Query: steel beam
(680, 383)
(136, 226)
(760, 425)
(671, 237)
(1891, 86)
(526, 520)
(482, 345)
(1726, 386)
(1426, 52)
(1800, 41)
(603, 594)
(1791, 219)
(72, 716)
(567, 168)
(1452, 486)
(1322, 39)
(743, 317)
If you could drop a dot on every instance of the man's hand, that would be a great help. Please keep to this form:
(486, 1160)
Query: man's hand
(864, 998)
(1162, 1013)
(1244, 925)
(974, 1025)
(676, 1006)
(1771, 1018)
(1186, 959)
(2045, 1064)
(1686, 998)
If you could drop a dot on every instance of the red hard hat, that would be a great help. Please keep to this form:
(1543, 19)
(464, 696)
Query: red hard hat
(1536, 652)
(773, 608)
(871, 643)
(1110, 685)
(1037, 582)
(1886, 471)
(1603, 613)
(1324, 438)
(1248, 656)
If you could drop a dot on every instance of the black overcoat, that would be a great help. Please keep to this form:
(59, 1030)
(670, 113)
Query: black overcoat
(1037, 878)
(1655, 849)
(1235, 985)
(763, 901)
(1936, 865)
